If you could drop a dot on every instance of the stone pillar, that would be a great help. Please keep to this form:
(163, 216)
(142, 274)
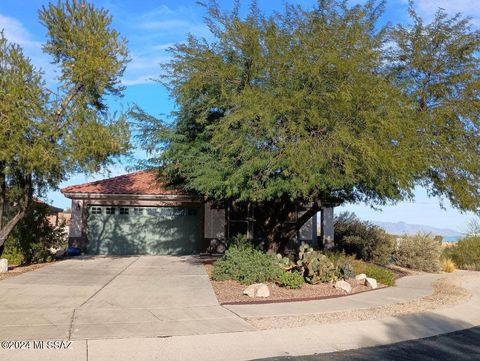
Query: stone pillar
(77, 236)
(327, 231)
(3, 265)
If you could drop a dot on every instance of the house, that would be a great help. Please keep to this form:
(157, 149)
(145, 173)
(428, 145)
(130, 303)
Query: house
(137, 214)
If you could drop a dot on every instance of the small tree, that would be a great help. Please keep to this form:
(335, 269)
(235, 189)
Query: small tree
(46, 134)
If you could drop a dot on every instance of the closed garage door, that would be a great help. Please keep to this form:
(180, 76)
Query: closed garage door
(143, 230)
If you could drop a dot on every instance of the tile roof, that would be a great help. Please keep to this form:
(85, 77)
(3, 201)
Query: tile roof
(142, 182)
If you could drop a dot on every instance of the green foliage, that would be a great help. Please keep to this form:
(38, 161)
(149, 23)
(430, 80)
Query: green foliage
(466, 253)
(47, 134)
(314, 105)
(34, 237)
(246, 265)
(12, 252)
(419, 252)
(343, 264)
(381, 274)
(316, 266)
(291, 280)
(363, 239)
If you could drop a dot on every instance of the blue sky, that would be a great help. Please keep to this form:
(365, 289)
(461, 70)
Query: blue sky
(151, 26)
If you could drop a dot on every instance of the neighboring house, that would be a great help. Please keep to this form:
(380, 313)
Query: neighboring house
(136, 214)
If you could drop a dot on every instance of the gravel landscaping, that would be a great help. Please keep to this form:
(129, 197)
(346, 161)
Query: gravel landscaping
(231, 292)
(446, 292)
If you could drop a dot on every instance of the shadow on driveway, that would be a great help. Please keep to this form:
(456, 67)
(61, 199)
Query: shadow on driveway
(457, 346)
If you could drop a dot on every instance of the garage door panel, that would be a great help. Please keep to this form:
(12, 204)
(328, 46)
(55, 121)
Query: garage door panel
(162, 230)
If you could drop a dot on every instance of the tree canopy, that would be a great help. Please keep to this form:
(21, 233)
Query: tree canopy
(47, 133)
(323, 105)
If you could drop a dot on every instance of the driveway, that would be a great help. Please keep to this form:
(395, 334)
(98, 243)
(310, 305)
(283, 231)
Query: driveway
(113, 297)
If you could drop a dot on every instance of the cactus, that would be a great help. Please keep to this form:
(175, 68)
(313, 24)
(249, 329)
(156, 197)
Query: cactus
(316, 266)
(347, 271)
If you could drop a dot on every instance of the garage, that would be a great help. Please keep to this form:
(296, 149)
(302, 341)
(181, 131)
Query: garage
(127, 230)
(135, 214)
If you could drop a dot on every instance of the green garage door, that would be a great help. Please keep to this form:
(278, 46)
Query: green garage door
(143, 230)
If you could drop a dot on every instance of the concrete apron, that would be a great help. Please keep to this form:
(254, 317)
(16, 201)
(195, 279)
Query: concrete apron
(103, 297)
(269, 343)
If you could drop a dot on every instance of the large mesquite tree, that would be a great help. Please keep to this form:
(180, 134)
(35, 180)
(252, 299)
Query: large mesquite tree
(321, 107)
(45, 134)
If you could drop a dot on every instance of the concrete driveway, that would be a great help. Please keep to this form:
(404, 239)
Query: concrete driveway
(113, 297)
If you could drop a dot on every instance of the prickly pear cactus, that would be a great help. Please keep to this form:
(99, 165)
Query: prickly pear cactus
(316, 266)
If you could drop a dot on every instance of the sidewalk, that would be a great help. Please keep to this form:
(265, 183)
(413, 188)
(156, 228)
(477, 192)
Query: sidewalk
(290, 341)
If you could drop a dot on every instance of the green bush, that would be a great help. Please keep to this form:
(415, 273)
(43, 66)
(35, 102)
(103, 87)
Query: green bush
(419, 252)
(343, 264)
(12, 252)
(363, 239)
(466, 253)
(246, 265)
(34, 237)
(381, 274)
(291, 279)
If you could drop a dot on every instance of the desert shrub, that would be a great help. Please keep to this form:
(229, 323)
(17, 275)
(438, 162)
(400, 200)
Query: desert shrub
(419, 252)
(243, 263)
(343, 264)
(363, 239)
(34, 238)
(12, 252)
(291, 279)
(316, 266)
(381, 274)
(466, 253)
(447, 265)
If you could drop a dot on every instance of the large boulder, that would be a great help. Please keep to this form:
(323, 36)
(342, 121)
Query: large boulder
(371, 283)
(344, 285)
(257, 290)
(361, 277)
(3, 265)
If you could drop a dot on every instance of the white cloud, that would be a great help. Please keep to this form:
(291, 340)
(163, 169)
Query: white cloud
(427, 8)
(16, 33)
(152, 33)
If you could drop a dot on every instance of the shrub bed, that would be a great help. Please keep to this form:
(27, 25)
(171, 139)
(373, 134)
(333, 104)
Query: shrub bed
(419, 252)
(363, 239)
(466, 253)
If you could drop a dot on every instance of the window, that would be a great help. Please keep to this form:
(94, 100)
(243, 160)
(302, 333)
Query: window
(152, 211)
(96, 210)
(124, 210)
(138, 211)
(192, 212)
(110, 210)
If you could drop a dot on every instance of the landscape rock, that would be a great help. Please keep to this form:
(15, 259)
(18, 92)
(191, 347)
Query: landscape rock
(257, 290)
(344, 285)
(3, 265)
(371, 283)
(361, 277)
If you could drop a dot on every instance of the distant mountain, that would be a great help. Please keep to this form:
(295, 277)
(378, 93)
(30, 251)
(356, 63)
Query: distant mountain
(399, 228)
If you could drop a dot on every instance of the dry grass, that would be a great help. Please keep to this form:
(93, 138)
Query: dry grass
(447, 265)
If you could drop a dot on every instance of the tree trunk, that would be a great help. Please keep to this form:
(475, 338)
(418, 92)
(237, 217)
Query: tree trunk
(280, 232)
(7, 229)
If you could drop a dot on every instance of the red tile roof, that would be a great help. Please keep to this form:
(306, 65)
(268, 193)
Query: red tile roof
(142, 182)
